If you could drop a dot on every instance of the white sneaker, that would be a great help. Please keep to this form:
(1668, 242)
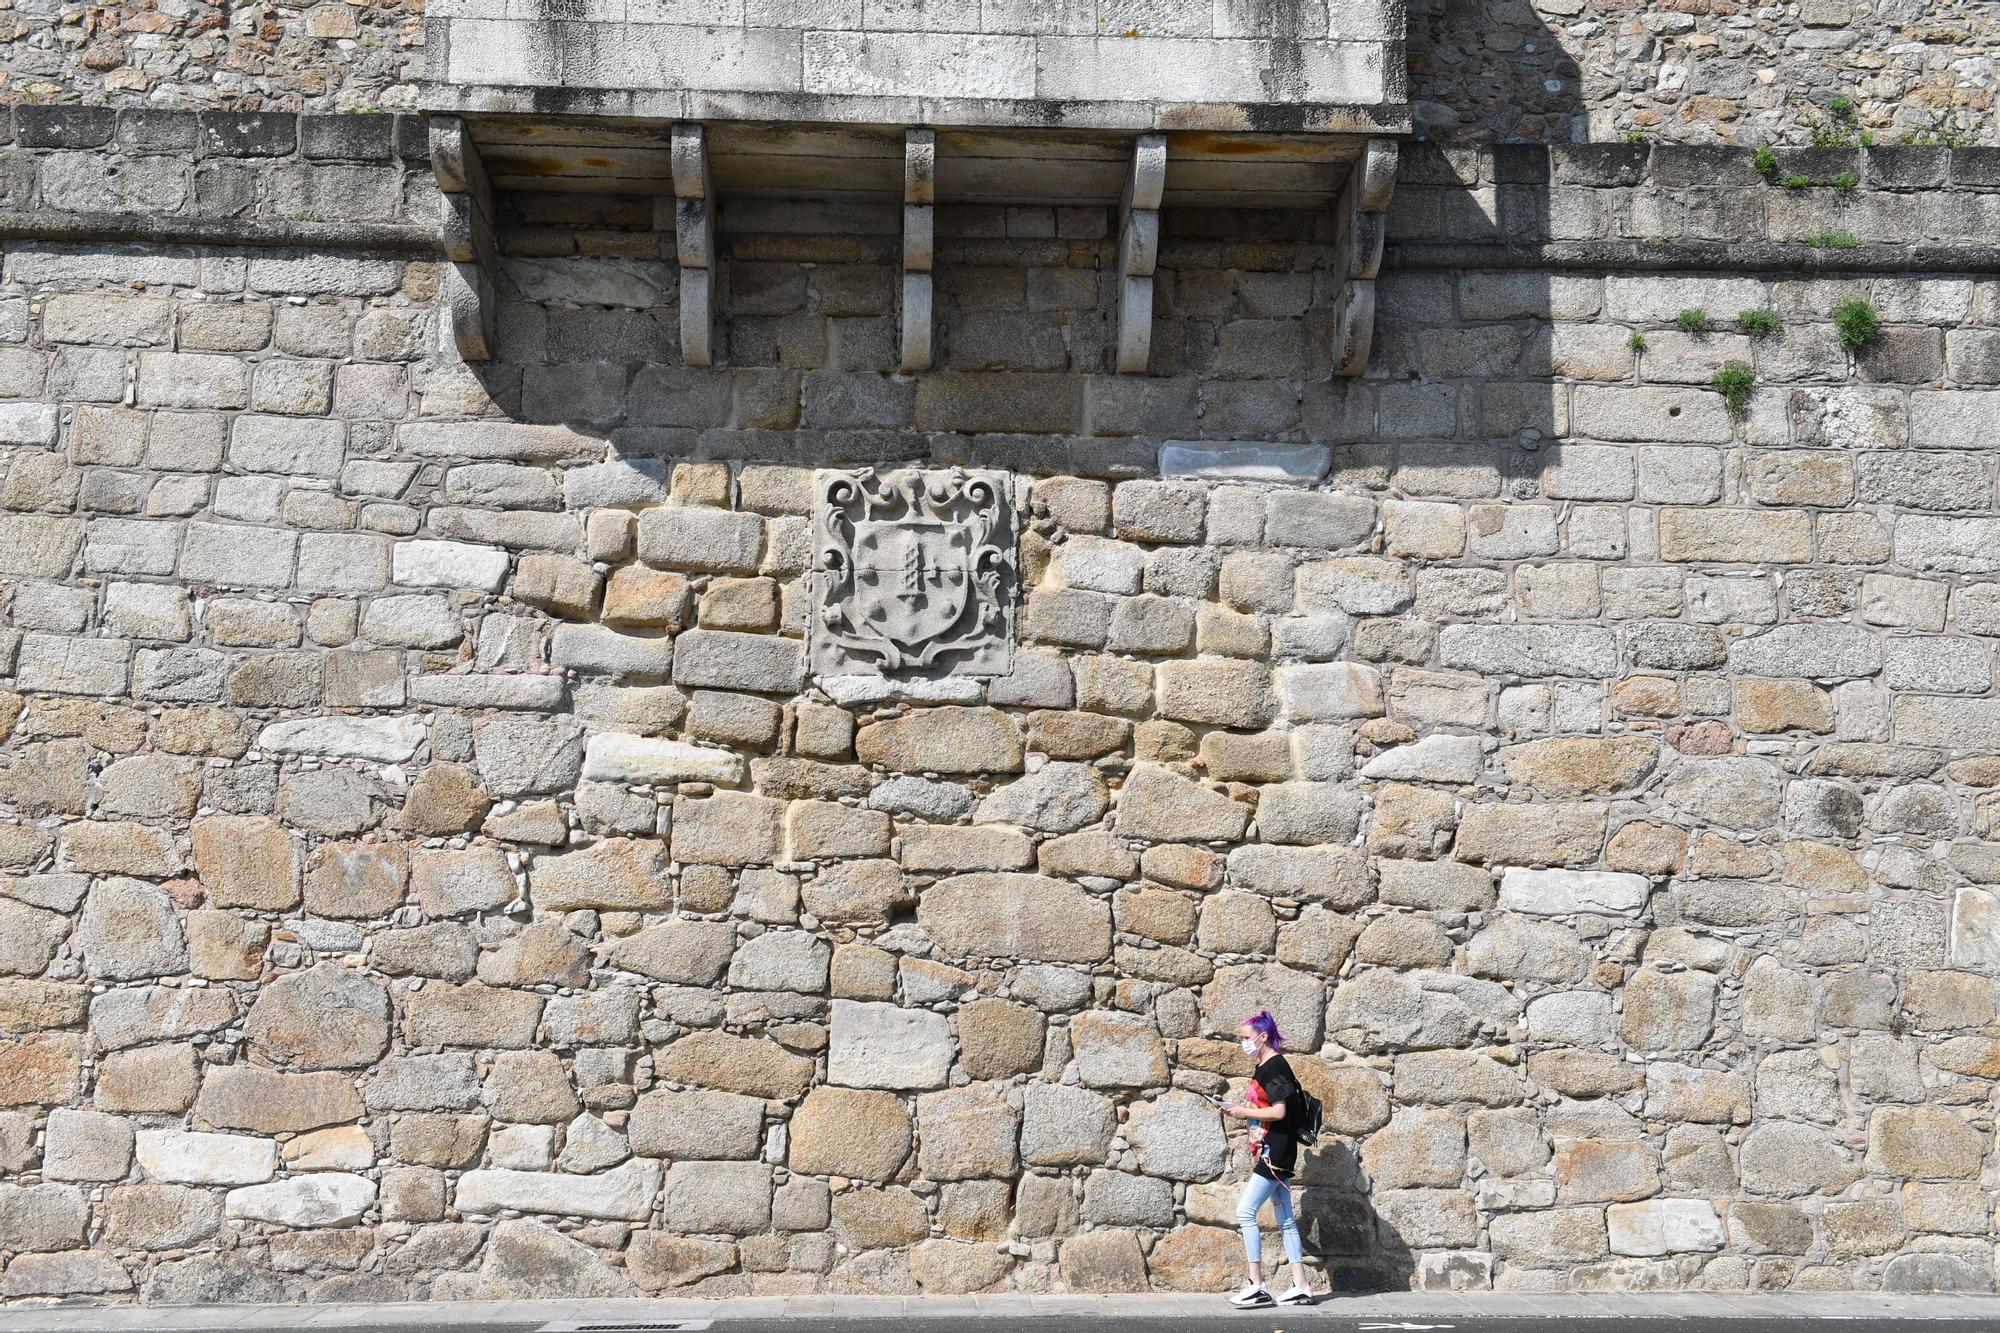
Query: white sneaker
(1298, 1296)
(1252, 1298)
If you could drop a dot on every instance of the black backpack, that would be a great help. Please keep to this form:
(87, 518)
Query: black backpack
(1303, 1117)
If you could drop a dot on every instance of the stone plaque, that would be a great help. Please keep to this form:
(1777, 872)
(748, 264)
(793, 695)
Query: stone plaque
(913, 572)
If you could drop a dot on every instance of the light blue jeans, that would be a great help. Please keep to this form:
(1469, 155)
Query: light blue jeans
(1259, 1189)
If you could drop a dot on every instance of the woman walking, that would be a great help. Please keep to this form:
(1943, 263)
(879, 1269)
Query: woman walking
(1266, 1102)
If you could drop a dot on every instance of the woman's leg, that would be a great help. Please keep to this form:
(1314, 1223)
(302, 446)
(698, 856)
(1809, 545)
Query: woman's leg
(1254, 1194)
(1288, 1232)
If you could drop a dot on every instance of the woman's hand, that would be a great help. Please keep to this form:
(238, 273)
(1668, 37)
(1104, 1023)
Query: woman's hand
(1236, 1111)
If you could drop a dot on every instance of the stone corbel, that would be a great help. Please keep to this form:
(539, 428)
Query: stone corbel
(919, 245)
(1359, 218)
(1139, 251)
(694, 243)
(466, 238)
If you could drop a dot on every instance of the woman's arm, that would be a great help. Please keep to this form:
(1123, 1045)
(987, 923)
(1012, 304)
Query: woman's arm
(1256, 1112)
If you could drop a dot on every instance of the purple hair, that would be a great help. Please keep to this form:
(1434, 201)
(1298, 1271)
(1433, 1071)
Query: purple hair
(1267, 1028)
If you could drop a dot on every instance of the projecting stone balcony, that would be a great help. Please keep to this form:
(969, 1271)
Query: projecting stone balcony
(1274, 65)
(1161, 104)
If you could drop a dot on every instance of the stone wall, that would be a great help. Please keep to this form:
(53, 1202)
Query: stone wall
(431, 871)
(1558, 71)
(1704, 71)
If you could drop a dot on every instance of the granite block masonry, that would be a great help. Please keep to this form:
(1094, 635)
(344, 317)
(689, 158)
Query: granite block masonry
(437, 862)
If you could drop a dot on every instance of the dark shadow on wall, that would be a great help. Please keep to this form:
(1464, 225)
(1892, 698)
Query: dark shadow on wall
(1360, 1250)
(1493, 71)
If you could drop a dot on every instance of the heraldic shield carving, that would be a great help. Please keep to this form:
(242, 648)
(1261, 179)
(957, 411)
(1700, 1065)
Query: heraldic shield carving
(914, 572)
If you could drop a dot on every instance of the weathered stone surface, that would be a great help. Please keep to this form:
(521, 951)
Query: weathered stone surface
(315, 1199)
(943, 740)
(658, 1262)
(1004, 915)
(1103, 1261)
(733, 1198)
(1117, 1051)
(42, 1217)
(86, 1145)
(531, 1261)
(696, 1125)
(266, 1102)
(688, 953)
(246, 861)
(129, 930)
(627, 1191)
(1178, 1137)
(160, 1217)
(324, 1018)
(130, 1016)
(620, 874)
(1161, 806)
(1567, 892)
(845, 1132)
(969, 1133)
(747, 1065)
(883, 1046)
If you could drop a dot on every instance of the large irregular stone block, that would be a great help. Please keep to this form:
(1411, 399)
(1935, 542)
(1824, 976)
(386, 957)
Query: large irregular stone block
(129, 930)
(617, 874)
(29, 937)
(1178, 1137)
(86, 1145)
(315, 1199)
(1114, 1050)
(1925, 1142)
(1295, 999)
(1008, 915)
(1159, 805)
(728, 829)
(684, 952)
(1380, 1010)
(611, 756)
(42, 1217)
(659, 1262)
(161, 1217)
(848, 1132)
(384, 740)
(327, 1017)
(131, 1016)
(1574, 766)
(752, 1066)
(969, 1133)
(1786, 1160)
(1062, 1126)
(531, 1261)
(883, 1046)
(1057, 798)
(879, 1219)
(733, 1198)
(687, 1126)
(246, 861)
(947, 739)
(1335, 877)
(1570, 892)
(265, 1102)
(625, 1192)
(1103, 1262)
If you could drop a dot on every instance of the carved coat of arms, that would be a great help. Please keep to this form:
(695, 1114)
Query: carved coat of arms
(914, 572)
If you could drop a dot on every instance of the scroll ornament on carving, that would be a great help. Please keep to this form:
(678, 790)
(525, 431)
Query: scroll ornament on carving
(915, 572)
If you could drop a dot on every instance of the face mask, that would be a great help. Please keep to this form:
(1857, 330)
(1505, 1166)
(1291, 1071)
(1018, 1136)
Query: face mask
(1249, 1047)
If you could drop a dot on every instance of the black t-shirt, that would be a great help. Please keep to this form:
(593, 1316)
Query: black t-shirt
(1281, 1147)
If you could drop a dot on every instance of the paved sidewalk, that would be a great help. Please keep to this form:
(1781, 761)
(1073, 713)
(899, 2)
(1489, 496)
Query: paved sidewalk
(1407, 1309)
